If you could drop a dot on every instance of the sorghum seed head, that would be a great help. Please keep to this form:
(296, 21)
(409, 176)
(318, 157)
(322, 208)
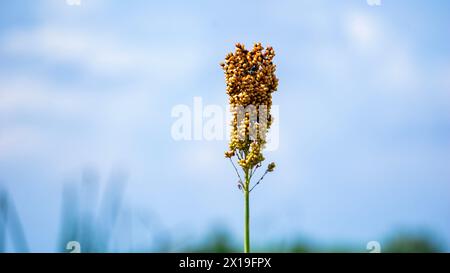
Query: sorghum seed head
(250, 79)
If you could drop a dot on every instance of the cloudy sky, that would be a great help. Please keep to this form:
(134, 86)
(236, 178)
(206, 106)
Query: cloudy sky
(364, 119)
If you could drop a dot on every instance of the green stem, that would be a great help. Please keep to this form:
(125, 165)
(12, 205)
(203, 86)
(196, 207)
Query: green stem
(247, 213)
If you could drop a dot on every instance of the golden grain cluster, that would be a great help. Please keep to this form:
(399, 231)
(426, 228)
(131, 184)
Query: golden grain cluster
(250, 79)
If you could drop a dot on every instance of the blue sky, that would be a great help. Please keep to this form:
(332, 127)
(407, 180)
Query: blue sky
(364, 122)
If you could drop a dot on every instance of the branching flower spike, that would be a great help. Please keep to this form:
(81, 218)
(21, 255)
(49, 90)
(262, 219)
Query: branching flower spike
(250, 79)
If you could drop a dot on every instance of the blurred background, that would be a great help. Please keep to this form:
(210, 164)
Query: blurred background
(86, 152)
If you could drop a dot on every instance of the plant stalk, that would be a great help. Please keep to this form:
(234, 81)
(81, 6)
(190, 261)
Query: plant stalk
(247, 212)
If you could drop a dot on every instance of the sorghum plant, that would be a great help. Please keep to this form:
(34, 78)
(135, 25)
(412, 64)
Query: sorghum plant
(250, 79)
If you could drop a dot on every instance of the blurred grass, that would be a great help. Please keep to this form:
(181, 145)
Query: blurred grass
(407, 242)
(101, 222)
(221, 241)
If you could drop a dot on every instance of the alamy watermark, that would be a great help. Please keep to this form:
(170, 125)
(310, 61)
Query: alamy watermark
(73, 246)
(73, 2)
(373, 2)
(212, 122)
(373, 247)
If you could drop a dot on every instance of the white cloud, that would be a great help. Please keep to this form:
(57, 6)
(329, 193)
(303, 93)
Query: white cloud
(36, 97)
(105, 55)
(391, 63)
(68, 46)
(399, 70)
(364, 32)
(108, 124)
